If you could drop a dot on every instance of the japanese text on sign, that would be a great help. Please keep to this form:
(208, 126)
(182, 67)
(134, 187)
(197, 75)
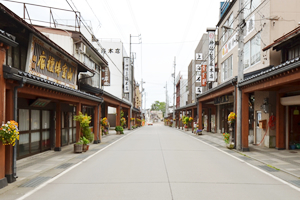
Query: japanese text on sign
(211, 56)
(126, 74)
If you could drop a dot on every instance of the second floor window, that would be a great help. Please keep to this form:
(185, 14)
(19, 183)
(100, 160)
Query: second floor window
(252, 51)
(227, 68)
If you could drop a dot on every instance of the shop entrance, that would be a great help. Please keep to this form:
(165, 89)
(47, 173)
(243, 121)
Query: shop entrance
(294, 125)
(34, 127)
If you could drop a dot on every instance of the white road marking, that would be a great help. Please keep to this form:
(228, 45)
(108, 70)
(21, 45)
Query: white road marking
(66, 171)
(276, 178)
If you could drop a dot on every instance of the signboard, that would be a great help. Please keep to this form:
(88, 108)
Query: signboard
(223, 99)
(199, 56)
(198, 90)
(198, 68)
(198, 79)
(203, 75)
(230, 44)
(211, 56)
(48, 63)
(126, 74)
(105, 77)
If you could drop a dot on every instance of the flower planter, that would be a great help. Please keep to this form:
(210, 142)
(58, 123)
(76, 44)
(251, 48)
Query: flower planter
(186, 129)
(230, 146)
(85, 147)
(199, 132)
(292, 146)
(78, 148)
(118, 132)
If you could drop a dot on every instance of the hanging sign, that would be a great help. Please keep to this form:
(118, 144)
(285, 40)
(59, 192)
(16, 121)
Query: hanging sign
(203, 75)
(126, 74)
(198, 79)
(198, 90)
(46, 62)
(199, 56)
(105, 77)
(198, 68)
(211, 56)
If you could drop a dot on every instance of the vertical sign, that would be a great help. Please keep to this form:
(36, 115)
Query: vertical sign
(199, 56)
(203, 75)
(198, 68)
(198, 90)
(105, 77)
(211, 56)
(126, 74)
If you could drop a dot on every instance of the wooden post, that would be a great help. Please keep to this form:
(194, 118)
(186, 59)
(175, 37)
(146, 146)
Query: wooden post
(3, 180)
(129, 119)
(8, 148)
(99, 118)
(193, 115)
(245, 121)
(58, 128)
(118, 116)
(96, 128)
(200, 115)
(78, 134)
(280, 116)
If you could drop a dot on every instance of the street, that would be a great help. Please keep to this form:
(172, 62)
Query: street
(159, 162)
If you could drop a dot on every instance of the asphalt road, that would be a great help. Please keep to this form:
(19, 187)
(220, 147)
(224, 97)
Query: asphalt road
(158, 162)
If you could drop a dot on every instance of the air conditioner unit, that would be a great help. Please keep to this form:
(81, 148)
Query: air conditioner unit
(81, 48)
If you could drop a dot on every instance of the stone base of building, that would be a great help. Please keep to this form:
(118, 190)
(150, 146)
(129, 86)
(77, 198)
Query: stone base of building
(245, 149)
(57, 149)
(3, 182)
(10, 178)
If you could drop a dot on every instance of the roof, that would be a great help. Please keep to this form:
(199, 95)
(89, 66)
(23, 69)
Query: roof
(15, 74)
(187, 106)
(283, 38)
(290, 64)
(230, 82)
(5, 10)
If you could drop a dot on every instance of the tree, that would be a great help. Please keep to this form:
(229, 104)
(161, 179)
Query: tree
(159, 106)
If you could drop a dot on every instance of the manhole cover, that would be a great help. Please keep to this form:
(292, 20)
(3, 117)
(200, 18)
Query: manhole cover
(293, 152)
(64, 166)
(35, 182)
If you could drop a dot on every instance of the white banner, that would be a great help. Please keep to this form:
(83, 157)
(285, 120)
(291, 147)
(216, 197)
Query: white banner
(199, 56)
(198, 79)
(198, 68)
(211, 56)
(198, 90)
(126, 74)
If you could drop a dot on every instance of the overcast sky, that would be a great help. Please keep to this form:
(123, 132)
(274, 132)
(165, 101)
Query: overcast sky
(168, 28)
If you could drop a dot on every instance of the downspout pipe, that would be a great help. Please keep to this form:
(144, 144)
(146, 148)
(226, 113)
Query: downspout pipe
(14, 164)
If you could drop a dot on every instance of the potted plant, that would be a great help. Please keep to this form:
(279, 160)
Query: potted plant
(199, 132)
(293, 145)
(78, 146)
(229, 145)
(119, 130)
(9, 133)
(85, 121)
(86, 145)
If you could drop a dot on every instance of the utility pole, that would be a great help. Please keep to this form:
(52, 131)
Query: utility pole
(142, 89)
(174, 92)
(240, 76)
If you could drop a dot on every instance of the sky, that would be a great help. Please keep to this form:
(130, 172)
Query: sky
(167, 28)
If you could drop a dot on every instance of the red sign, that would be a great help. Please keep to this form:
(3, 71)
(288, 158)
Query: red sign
(203, 75)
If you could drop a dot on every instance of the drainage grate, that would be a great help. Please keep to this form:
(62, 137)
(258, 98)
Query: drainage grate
(94, 150)
(247, 159)
(266, 168)
(64, 166)
(295, 182)
(293, 152)
(35, 182)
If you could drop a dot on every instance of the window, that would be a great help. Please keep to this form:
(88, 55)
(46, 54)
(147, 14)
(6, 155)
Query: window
(294, 52)
(227, 28)
(250, 7)
(227, 68)
(252, 51)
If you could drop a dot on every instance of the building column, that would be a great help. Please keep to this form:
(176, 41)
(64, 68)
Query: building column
(78, 130)
(58, 128)
(96, 128)
(193, 115)
(200, 115)
(3, 180)
(99, 119)
(129, 119)
(8, 148)
(245, 121)
(118, 116)
(280, 119)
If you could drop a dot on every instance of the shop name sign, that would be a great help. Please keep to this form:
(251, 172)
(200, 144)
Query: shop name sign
(211, 56)
(126, 74)
(105, 77)
(223, 99)
(46, 62)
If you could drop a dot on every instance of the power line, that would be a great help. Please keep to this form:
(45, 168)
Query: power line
(132, 16)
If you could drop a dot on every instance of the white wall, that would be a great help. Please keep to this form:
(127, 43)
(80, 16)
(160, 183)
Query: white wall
(115, 66)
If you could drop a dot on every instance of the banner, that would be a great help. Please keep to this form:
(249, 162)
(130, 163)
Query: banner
(211, 56)
(126, 74)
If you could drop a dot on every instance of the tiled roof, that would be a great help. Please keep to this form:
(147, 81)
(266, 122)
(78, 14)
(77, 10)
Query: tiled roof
(272, 71)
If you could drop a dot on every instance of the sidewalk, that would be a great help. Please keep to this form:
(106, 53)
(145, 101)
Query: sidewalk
(287, 161)
(35, 170)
